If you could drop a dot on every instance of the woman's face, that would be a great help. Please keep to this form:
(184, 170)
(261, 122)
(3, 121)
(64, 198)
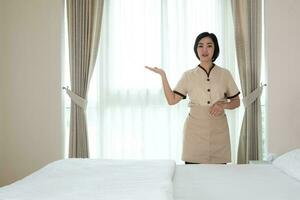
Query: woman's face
(206, 49)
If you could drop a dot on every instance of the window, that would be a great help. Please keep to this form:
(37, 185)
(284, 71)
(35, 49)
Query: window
(128, 117)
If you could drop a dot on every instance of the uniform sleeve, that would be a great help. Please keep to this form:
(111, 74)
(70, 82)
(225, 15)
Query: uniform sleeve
(181, 87)
(232, 89)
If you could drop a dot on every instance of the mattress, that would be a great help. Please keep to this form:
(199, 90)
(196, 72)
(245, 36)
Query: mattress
(234, 182)
(93, 179)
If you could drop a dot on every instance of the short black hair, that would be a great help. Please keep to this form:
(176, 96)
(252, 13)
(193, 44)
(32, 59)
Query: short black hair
(215, 41)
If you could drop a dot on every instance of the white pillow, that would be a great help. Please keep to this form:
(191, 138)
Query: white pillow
(289, 163)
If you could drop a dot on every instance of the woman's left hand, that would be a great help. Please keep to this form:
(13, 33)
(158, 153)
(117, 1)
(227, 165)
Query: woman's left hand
(217, 109)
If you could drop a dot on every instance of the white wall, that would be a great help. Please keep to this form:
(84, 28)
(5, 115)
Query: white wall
(31, 129)
(283, 54)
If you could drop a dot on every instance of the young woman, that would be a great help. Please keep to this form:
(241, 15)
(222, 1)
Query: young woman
(211, 90)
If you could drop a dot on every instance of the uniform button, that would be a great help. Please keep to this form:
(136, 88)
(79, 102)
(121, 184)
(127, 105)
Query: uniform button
(208, 79)
(208, 102)
(208, 90)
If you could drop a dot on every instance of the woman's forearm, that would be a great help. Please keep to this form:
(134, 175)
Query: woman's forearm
(170, 95)
(232, 104)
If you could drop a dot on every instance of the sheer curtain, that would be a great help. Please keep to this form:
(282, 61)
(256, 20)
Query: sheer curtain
(127, 115)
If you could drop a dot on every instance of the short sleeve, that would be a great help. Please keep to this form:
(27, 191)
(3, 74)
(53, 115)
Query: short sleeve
(232, 89)
(181, 87)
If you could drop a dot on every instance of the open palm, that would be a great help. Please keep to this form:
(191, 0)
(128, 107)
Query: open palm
(156, 70)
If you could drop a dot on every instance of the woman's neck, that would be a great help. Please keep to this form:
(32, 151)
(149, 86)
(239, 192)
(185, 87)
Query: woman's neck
(206, 65)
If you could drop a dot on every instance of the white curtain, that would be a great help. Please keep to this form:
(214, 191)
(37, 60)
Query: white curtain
(128, 117)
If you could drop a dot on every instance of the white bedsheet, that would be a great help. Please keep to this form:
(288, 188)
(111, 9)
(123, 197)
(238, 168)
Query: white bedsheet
(234, 182)
(88, 179)
(93, 179)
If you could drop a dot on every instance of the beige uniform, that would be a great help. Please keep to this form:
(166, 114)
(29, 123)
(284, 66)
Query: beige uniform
(206, 138)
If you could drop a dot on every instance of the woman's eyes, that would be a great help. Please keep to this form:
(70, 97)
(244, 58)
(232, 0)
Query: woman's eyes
(208, 46)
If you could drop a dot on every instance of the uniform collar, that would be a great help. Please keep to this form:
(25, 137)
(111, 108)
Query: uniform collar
(207, 73)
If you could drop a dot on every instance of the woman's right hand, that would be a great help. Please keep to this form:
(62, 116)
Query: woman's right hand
(156, 70)
(170, 95)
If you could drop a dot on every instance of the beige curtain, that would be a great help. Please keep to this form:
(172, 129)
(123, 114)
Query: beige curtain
(247, 16)
(84, 25)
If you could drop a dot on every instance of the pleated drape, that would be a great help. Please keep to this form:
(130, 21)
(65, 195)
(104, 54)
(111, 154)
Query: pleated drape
(84, 25)
(247, 16)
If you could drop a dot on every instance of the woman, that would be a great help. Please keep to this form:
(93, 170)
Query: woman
(211, 90)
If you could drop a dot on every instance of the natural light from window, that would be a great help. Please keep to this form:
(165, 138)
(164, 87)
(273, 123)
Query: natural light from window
(127, 115)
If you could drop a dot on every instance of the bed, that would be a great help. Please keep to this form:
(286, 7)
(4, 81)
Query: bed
(88, 179)
(234, 182)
